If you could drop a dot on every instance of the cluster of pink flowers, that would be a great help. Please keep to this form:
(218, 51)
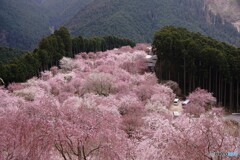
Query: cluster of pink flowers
(201, 101)
(102, 105)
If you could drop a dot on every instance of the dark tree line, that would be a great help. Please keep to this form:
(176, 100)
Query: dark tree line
(80, 44)
(194, 60)
(50, 50)
(7, 54)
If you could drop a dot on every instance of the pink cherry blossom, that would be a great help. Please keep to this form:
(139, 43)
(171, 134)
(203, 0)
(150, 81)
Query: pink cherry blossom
(106, 106)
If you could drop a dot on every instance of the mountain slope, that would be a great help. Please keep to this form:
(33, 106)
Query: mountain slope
(61, 11)
(138, 19)
(227, 9)
(23, 23)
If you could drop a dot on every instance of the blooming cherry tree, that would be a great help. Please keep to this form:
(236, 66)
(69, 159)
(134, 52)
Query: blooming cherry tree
(104, 106)
(200, 102)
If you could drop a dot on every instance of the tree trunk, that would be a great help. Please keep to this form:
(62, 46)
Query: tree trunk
(178, 78)
(194, 85)
(216, 85)
(184, 75)
(190, 83)
(219, 89)
(160, 70)
(237, 96)
(169, 74)
(84, 154)
(210, 80)
(231, 95)
(203, 84)
(225, 92)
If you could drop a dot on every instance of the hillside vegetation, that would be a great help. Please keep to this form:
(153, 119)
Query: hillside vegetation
(194, 60)
(139, 19)
(51, 49)
(8, 54)
(23, 23)
(61, 11)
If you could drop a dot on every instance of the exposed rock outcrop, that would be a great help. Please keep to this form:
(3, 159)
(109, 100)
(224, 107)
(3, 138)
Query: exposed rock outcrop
(229, 10)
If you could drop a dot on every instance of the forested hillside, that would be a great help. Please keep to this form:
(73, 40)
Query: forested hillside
(23, 23)
(61, 11)
(194, 60)
(138, 19)
(7, 54)
(51, 49)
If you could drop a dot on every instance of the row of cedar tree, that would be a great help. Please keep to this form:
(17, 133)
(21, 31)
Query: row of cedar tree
(194, 60)
(51, 49)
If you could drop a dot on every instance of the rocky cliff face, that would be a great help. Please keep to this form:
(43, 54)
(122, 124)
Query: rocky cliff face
(229, 10)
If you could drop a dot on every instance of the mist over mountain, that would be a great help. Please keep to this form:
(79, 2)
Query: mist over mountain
(23, 23)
